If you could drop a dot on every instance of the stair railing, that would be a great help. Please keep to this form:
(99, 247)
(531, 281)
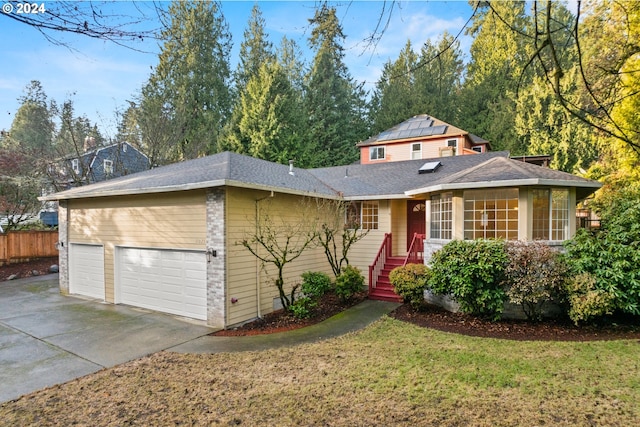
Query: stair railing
(380, 260)
(416, 250)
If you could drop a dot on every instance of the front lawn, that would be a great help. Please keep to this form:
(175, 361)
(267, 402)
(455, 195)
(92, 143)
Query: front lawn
(391, 373)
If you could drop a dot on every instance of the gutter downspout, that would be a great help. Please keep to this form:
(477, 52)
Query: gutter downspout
(258, 294)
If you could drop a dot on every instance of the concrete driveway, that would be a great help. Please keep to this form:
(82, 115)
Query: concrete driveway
(48, 339)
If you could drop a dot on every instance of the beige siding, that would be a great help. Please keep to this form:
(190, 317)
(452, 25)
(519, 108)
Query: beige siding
(364, 252)
(248, 281)
(399, 227)
(168, 220)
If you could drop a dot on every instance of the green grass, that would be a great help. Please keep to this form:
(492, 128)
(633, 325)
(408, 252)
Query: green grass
(390, 373)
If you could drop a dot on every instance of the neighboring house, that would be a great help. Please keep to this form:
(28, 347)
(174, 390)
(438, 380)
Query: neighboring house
(420, 137)
(167, 239)
(97, 164)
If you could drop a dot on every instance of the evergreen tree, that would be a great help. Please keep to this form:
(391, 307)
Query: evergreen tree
(394, 99)
(32, 128)
(439, 77)
(498, 58)
(255, 50)
(334, 102)
(190, 85)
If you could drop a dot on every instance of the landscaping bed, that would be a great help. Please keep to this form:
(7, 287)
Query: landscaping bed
(27, 269)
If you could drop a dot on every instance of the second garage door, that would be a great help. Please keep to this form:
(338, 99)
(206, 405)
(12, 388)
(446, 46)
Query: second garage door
(170, 281)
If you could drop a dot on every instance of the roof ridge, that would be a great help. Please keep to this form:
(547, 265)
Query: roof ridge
(468, 171)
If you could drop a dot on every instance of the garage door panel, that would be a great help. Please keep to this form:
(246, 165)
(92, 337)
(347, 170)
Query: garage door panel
(171, 281)
(86, 270)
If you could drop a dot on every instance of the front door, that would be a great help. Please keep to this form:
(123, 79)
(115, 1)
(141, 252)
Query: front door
(416, 219)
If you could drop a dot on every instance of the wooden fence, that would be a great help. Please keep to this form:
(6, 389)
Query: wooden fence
(20, 246)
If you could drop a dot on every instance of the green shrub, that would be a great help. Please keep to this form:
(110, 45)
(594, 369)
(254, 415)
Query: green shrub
(349, 282)
(586, 302)
(302, 308)
(611, 254)
(410, 282)
(472, 272)
(315, 284)
(534, 275)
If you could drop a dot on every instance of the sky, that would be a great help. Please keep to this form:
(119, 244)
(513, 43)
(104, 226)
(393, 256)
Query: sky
(100, 76)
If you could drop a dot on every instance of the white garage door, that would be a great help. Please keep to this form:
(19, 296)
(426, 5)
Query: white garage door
(86, 270)
(171, 281)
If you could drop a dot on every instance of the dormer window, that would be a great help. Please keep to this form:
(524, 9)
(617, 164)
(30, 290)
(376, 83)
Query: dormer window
(377, 153)
(108, 167)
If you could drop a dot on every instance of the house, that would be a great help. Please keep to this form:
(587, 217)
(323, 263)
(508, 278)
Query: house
(167, 239)
(97, 164)
(420, 137)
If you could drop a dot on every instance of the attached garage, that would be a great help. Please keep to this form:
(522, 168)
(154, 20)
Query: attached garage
(166, 280)
(87, 270)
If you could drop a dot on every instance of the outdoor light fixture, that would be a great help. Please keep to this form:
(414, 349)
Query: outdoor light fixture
(211, 253)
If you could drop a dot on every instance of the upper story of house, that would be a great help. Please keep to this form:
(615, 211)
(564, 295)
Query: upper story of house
(97, 164)
(420, 137)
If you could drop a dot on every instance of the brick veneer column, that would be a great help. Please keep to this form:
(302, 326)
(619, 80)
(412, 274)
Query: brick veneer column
(216, 285)
(63, 247)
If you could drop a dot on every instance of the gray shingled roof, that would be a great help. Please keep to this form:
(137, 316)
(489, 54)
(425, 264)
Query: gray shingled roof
(395, 178)
(212, 171)
(356, 181)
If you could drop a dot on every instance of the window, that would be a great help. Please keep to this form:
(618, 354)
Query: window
(108, 167)
(416, 151)
(452, 143)
(75, 166)
(477, 148)
(550, 214)
(491, 214)
(376, 153)
(441, 217)
(363, 214)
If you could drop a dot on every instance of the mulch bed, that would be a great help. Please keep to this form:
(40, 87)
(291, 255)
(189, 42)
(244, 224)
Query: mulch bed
(26, 269)
(281, 320)
(434, 317)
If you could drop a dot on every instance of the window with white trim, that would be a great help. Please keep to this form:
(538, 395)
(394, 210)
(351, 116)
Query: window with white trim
(75, 166)
(363, 215)
(441, 219)
(108, 167)
(550, 214)
(491, 214)
(377, 153)
(416, 151)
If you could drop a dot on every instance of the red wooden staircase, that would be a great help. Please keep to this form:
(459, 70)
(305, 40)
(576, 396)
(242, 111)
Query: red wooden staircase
(383, 289)
(380, 288)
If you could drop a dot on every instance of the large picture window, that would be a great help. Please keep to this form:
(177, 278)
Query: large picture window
(441, 221)
(550, 214)
(363, 214)
(491, 214)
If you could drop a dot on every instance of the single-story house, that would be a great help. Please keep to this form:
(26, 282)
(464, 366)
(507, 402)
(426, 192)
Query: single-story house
(168, 238)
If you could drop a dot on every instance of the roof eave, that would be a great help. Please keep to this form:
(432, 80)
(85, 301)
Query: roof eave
(185, 187)
(506, 183)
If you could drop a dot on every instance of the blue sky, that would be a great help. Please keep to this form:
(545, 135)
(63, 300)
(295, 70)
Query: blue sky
(100, 76)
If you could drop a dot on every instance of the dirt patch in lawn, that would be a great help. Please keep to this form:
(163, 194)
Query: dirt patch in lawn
(27, 269)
